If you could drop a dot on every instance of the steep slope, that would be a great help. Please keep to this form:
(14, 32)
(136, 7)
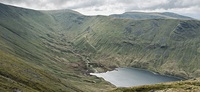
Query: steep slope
(16, 74)
(37, 56)
(144, 15)
(166, 46)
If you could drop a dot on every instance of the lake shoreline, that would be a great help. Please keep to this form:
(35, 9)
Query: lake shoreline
(144, 69)
(112, 75)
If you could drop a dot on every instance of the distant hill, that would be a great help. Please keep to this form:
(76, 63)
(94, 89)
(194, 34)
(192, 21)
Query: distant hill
(153, 15)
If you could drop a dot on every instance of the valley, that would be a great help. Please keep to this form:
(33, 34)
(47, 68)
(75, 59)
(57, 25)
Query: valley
(54, 51)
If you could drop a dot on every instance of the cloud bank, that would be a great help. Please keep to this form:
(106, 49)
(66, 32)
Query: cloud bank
(105, 7)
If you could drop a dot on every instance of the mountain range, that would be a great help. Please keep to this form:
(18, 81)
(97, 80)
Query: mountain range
(54, 51)
(153, 15)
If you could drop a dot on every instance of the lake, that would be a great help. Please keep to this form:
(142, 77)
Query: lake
(127, 77)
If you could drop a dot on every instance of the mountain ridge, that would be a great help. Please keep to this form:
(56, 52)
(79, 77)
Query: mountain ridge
(62, 48)
(151, 15)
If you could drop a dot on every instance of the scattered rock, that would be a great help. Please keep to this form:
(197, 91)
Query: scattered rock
(16, 90)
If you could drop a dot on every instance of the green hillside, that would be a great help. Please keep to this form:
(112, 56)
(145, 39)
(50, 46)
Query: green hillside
(166, 46)
(54, 51)
(180, 86)
(36, 56)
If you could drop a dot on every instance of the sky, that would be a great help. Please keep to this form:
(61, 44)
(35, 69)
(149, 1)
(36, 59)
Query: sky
(189, 8)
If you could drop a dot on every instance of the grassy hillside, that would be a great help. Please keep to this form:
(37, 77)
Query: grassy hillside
(181, 86)
(166, 46)
(33, 42)
(56, 50)
(17, 74)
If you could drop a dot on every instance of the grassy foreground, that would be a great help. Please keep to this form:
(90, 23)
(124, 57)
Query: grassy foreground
(180, 86)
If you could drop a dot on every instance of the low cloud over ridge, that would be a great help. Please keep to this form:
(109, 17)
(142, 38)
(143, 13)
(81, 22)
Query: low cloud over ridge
(105, 7)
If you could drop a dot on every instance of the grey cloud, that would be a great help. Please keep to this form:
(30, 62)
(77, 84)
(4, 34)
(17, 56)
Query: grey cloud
(128, 4)
(178, 4)
(57, 3)
(90, 3)
(105, 5)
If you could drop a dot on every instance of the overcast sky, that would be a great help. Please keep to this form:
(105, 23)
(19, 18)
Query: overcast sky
(105, 7)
